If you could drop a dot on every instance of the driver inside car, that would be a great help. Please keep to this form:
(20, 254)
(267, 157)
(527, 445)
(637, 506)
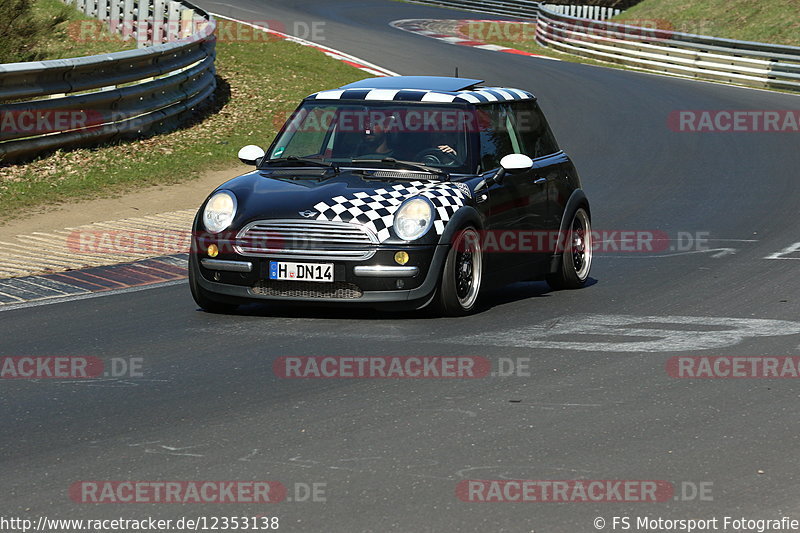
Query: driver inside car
(379, 142)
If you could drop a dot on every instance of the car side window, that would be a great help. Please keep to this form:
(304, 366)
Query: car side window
(537, 139)
(495, 137)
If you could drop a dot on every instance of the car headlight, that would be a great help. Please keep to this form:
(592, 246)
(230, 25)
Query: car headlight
(219, 212)
(414, 218)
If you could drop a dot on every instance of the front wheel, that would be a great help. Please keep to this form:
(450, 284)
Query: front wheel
(576, 259)
(460, 285)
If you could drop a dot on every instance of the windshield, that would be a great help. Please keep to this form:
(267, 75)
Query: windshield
(340, 133)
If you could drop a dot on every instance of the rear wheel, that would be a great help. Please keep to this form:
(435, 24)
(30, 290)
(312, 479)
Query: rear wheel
(576, 259)
(201, 297)
(460, 285)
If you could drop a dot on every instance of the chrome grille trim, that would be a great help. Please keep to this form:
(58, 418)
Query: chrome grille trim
(306, 239)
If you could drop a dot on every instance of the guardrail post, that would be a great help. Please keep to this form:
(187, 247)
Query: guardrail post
(158, 21)
(126, 28)
(102, 10)
(143, 23)
(173, 21)
(187, 23)
(114, 22)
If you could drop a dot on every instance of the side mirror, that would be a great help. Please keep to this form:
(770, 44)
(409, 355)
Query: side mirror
(516, 163)
(511, 164)
(251, 154)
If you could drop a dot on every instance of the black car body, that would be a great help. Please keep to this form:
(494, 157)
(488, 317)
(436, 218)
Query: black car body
(328, 215)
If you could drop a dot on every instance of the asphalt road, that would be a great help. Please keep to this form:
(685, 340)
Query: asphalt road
(598, 403)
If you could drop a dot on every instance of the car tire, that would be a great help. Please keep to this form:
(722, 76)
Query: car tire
(460, 284)
(576, 259)
(201, 297)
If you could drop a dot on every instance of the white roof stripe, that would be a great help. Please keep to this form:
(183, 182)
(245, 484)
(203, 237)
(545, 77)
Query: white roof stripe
(519, 93)
(432, 96)
(381, 94)
(330, 95)
(489, 96)
(469, 98)
(505, 94)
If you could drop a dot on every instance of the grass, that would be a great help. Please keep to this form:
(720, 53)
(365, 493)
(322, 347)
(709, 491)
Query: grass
(768, 21)
(80, 35)
(261, 81)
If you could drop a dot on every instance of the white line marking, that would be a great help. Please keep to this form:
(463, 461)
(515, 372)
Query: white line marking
(626, 333)
(794, 248)
(716, 253)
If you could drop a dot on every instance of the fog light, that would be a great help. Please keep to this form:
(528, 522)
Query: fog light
(213, 251)
(401, 258)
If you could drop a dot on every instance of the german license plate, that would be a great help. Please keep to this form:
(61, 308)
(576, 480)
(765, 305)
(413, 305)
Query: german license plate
(282, 270)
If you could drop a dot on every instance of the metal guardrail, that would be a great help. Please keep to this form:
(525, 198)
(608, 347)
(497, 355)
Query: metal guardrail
(65, 103)
(584, 11)
(746, 63)
(740, 62)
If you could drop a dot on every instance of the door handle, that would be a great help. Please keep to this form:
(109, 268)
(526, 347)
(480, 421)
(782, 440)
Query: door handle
(539, 180)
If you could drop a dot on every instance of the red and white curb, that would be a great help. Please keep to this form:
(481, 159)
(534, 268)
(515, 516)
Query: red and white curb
(91, 282)
(433, 28)
(338, 55)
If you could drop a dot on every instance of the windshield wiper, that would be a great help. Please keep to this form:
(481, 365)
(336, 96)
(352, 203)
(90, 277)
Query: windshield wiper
(301, 160)
(406, 164)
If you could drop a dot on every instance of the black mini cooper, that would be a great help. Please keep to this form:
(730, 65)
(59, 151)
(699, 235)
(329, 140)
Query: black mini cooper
(403, 191)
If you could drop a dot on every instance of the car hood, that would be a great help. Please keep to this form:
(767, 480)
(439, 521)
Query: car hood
(346, 197)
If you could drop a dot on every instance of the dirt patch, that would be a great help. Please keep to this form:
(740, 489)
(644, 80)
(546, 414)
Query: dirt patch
(147, 201)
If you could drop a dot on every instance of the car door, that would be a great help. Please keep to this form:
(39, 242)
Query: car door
(550, 171)
(515, 209)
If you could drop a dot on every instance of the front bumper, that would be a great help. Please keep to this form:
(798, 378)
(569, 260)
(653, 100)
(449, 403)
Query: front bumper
(241, 279)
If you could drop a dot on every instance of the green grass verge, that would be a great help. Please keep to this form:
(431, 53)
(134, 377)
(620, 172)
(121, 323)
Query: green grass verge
(768, 21)
(266, 79)
(80, 35)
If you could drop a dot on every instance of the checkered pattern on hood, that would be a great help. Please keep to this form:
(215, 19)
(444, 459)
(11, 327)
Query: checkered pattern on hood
(375, 209)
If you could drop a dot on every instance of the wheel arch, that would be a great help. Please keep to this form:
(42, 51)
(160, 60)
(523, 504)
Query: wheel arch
(577, 199)
(466, 215)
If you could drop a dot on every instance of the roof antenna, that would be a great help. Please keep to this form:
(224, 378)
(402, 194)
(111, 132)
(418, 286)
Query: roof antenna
(456, 72)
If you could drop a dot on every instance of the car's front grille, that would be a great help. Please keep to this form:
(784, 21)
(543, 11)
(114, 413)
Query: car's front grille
(308, 289)
(311, 239)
